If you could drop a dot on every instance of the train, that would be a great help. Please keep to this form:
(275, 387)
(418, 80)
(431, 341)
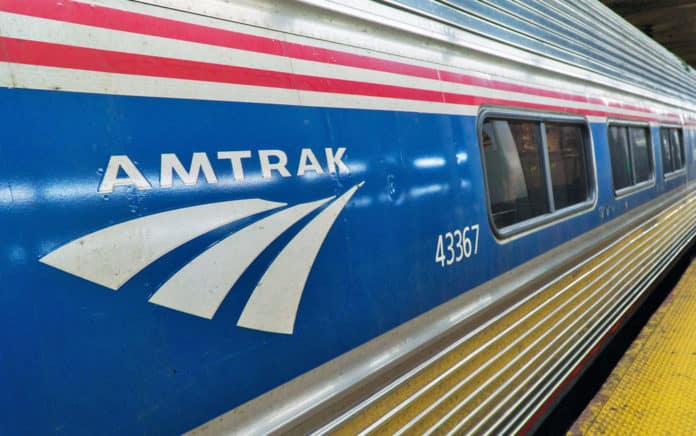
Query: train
(327, 216)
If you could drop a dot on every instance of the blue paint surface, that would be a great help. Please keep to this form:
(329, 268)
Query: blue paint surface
(78, 358)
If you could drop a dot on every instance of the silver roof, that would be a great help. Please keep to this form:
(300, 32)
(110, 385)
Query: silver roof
(582, 33)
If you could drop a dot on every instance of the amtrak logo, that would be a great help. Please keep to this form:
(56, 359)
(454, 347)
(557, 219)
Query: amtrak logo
(113, 255)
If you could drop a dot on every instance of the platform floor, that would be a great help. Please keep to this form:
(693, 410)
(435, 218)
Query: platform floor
(653, 388)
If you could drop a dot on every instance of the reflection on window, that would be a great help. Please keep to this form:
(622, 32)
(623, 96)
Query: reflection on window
(667, 165)
(514, 170)
(621, 167)
(642, 158)
(673, 157)
(631, 157)
(515, 152)
(568, 164)
(677, 149)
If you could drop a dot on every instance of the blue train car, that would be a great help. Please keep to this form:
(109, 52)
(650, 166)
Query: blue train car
(403, 216)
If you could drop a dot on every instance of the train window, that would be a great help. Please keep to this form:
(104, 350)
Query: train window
(642, 156)
(673, 157)
(677, 148)
(514, 168)
(621, 166)
(667, 166)
(568, 164)
(631, 156)
(536, 169)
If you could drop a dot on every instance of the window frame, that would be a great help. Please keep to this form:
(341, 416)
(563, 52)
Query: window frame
(640, 186)
(503, 234)
(681, 171)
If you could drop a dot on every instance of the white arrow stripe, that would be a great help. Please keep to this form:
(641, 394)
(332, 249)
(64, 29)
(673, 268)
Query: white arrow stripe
(111, 256)
(200, 287)
(273, 305)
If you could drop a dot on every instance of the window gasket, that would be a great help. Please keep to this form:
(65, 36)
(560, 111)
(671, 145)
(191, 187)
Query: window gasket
(640, 186)
(505, 234)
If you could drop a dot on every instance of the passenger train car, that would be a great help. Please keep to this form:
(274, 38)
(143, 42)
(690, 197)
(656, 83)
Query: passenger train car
(332, 216)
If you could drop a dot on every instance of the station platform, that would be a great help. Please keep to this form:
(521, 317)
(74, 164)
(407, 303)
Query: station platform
(653, 388)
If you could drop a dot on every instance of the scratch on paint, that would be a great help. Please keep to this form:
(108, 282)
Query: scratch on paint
(5, 57)
(9, 188)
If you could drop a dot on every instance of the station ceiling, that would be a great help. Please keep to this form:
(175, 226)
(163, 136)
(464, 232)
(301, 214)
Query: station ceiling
(672, 23)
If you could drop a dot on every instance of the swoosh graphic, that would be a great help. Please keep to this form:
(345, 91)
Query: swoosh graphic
(200, 287)
(273, 305)
(111, 256)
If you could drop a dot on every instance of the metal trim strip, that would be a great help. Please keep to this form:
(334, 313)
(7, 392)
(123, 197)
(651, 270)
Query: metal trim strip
(606, 267)
(634, 292)
(600, 336)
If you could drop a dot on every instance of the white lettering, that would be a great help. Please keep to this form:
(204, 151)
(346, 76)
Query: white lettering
(267, 166)
(111, 178)
(459, 244)
(235, 158)
(313, 165)
(269, 160)
(335, 159)
(171, 163)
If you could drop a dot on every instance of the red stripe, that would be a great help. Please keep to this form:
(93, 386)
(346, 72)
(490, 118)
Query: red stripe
(66, 56)
(100, 16)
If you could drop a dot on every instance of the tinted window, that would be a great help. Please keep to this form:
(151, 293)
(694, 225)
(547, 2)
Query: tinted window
(533, 167)
(673, 157)
(568, 164)
(514, 170)
(631, 155)
(667, 165)
(677, 149)
(620, 158)
(642, 157)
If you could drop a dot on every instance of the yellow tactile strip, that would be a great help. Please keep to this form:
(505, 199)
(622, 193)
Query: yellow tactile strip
(653, 388)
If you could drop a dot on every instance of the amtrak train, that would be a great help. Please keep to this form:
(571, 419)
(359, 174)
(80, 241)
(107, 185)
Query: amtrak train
(327, 216)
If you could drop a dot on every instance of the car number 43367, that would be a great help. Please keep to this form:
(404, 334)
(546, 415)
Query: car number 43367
(457, 245)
